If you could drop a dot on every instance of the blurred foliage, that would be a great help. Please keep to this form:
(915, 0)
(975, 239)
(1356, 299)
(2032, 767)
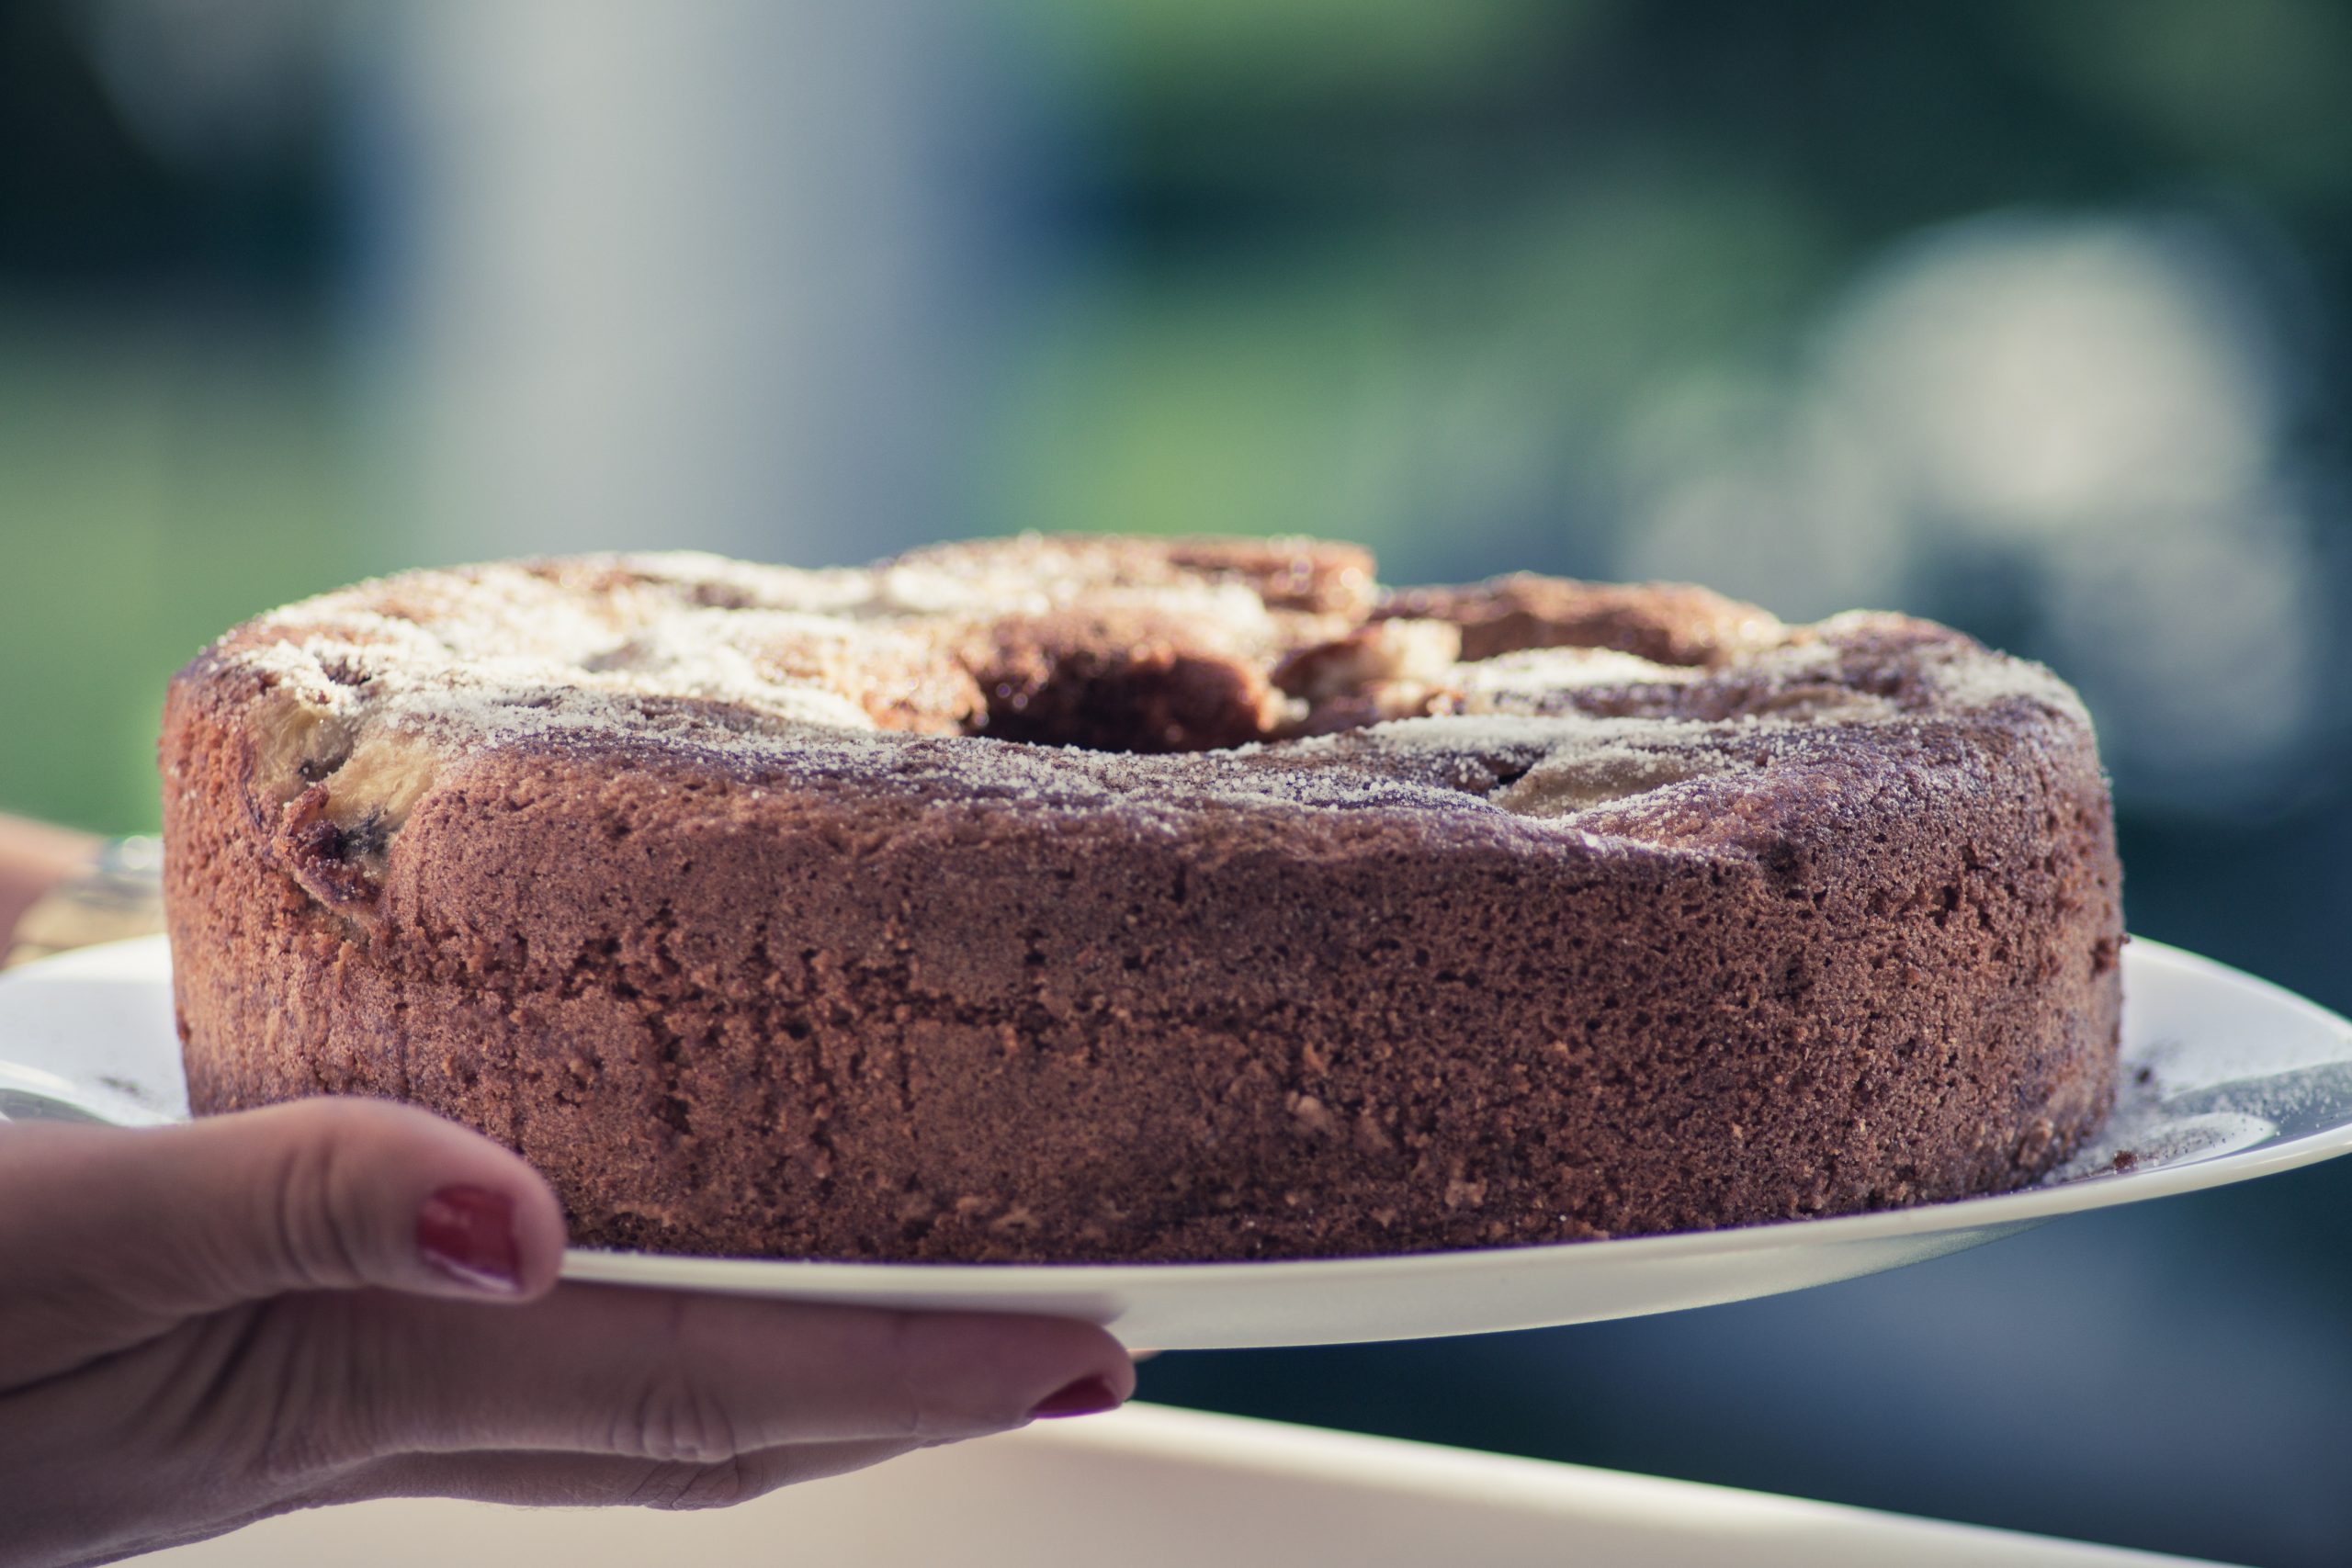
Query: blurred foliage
(158, 482)
(1295, 54)
(138, 160)
(174, 443)
(2252, 92)
(1403, 271)
(1420, 274)
(1436, 390)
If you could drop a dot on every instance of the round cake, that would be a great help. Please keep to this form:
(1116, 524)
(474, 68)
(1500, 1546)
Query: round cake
(1059, 899)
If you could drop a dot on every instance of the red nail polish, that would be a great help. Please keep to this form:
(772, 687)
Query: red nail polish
(468, 1232)
(1086, 1396)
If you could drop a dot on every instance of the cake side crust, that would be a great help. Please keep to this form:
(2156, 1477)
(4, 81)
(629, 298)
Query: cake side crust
(767, 1003)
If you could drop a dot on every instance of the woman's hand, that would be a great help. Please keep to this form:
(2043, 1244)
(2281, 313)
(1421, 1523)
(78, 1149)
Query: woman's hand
(334, 1299)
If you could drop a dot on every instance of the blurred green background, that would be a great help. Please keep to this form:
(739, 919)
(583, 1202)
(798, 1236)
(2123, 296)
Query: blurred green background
(157, 490)
(2026, 315)
(1451, 280)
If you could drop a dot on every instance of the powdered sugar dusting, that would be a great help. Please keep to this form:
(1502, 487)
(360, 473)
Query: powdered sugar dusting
(778, 667)
(1504, 734)
(1546, 670)
(1987, 680)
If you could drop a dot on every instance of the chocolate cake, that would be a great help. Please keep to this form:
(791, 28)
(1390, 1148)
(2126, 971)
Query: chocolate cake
(1061, 900)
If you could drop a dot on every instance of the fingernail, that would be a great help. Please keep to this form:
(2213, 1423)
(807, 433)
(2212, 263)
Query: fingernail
(468, 1232)
(1086, 1396)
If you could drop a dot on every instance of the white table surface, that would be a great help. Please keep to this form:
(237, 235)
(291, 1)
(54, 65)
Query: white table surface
(1150, 1487)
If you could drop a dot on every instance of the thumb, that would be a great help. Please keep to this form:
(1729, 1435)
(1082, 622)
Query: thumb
(139, 1230)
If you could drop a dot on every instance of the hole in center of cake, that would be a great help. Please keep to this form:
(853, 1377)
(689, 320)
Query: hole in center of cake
(1164, 693)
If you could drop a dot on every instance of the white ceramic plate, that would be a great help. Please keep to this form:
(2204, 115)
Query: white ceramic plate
(2227, 1078)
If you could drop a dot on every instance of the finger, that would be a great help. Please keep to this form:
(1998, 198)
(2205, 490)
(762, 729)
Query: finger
(34, 858)
(658, 1375)
(527, 1478)
(133, 1231)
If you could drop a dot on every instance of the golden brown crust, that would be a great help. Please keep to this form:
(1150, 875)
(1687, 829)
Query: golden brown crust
(1806, 922)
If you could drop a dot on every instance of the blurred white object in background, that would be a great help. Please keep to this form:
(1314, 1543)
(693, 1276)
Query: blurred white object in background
(2089, 410)
(702, 275)
(2028, 373)
(2101, 398)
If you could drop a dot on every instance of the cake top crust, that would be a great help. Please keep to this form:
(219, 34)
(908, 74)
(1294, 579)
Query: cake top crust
(1157, 679)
